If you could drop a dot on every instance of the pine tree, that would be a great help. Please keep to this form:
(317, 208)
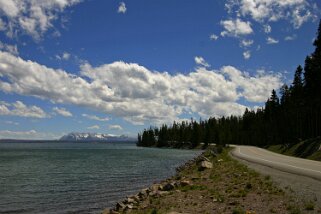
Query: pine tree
(312, 71)
(295, 116)
(312, 89)
(298, 82)
(285, 95)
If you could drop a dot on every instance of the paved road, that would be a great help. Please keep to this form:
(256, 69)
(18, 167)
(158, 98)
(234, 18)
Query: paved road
(284, 163)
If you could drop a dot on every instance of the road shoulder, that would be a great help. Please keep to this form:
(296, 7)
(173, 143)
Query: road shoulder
(222, 185)
(301, 187)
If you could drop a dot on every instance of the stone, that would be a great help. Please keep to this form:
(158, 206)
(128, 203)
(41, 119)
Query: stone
(206, 165)
(185, 183)
(120, 206)
(113, 212)
(141, 195)
(107, 211)
(161, 193)
(213, 153)
(144, 193)
(169, 187)
(131, 200)
(156, 187)
(144, 206)
(153, 194)
(129, 206)
(203, 158)
(136, 198)
(146, 190)
(176, 183)
(233, 203)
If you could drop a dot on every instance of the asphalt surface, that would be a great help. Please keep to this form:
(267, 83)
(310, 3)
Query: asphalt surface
(292, 165)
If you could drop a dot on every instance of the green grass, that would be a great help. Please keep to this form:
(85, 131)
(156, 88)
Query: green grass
(238, 211)
(309, 205)
(154, 211)
(226, 185)
(306, 149)
(193, 187)
(292, 209)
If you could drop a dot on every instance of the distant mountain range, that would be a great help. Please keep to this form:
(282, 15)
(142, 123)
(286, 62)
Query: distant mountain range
(90, 137)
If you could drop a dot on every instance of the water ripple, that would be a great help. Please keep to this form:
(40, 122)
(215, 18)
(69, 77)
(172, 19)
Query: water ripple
(78, 178)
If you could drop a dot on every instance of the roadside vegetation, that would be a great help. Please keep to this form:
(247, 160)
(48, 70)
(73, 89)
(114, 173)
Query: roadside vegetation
(310, 149)
(285, 121)
(226, 186)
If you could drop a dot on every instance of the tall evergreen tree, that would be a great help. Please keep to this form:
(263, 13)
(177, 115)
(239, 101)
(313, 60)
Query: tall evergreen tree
(295, 116)
(312, 70)
(297, 81)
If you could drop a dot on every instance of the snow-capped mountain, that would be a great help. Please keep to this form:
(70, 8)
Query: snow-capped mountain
(90, 137)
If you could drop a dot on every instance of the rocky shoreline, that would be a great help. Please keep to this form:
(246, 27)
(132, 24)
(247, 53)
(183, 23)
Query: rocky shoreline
(162, 188)
(213, 182)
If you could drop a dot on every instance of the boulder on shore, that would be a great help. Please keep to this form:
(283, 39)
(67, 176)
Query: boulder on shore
(185, 183)
(205, 165)
(156, 187)
(168, 187)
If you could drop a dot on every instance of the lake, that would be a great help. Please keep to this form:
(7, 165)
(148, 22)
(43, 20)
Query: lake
(79, 177)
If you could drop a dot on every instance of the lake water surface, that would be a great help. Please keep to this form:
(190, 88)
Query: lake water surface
(79, 177)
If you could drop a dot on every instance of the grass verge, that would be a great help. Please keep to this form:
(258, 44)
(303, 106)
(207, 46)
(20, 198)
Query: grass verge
(228, 187)
(309, 149)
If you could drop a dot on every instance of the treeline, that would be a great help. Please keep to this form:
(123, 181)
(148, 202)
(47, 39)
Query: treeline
(293, 117)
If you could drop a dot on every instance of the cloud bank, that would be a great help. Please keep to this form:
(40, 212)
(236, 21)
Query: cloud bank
(297, 12)
(19, 109)
(31, 17)
(30, 134)
(135, 93)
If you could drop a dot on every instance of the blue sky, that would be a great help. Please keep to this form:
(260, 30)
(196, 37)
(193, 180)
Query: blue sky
(120, 66)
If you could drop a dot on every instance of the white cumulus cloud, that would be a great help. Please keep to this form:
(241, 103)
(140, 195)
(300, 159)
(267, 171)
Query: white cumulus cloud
(213, 37)
(31, 17)
(247, 43)
(64, 56)
(135, 93)
(297, 12)
(290, 38)
(62, 112)
(94, 117)
(201, 61)
(19, 109)
(11, 122)
(122, 7)
(93, 127)
(115, 127)
(253, 88)
(247, 54)
(13, 49)
(30, 134)
(6, 134)
(267, 28)
(236, 28)
(271, 41)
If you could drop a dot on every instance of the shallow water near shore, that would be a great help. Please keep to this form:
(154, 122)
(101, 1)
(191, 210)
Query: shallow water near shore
(79, 177)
